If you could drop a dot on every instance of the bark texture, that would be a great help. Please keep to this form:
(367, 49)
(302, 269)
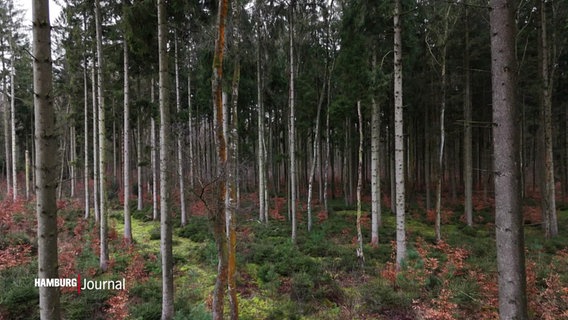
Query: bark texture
(508, 215)
(46, 160)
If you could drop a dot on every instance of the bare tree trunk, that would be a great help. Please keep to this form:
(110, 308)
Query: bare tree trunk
(440, 163)
(508, 213)
(7, 138)
(73, 157)
(360, 254)
(292, 129)
(153, 154)
(467, 153)
(95, 146)
(315, 152)
(219, 215)
(179, 139)
(375, 165)
(102, 143)
(126, 132)
(263, 210)
(13, 119)
(46, 160)
(548, 188)
(165, 217)
(140, 194)
(399, 141)
(86, 134)
(232, 170)
(27, 177)
(191, 130)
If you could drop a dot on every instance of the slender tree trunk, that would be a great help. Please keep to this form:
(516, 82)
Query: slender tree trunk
(165, 201)
(7, 138)
(73, 158)
(292, 129)
(508, 213)
(263, 210)
(467, 142)
(191, 130)
(86, 137)
(13, 120)
(27, 177)
(126, 132)
(360, 254)
(46, 160)
(140, 197)
(315, 152)
(548, 185)
(375, 166)
(440, 163)
(102, 143)
(179, 138)
(96, 167)
(399, 141)
(232, 170)
(219, 215)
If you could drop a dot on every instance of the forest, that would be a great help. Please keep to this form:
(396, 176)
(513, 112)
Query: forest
(284, 159)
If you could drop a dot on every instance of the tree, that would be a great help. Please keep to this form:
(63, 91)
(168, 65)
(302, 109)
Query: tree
(548, 184)
(218, 216)
(165, 201)
(292, 126)
(508, 213)
(126, 136)
(399, 140)
(102, 142)
(360, 254)
(46, 160)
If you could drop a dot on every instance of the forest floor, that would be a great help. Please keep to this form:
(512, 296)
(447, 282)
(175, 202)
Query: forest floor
(318, 278)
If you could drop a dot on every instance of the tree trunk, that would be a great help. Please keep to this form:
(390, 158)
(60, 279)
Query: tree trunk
(102, 143)
(13, 120)
(360, 254)
(73, 157)
(6, 121)
(292, 127)
(375, 165)
(232, 170)
(263, 210)
(46, 160)
(179, 139)
(140, 192)
(315, 151)
(467, 142)
(126, 132)
(440, 163)
(86, 134)
(219, 215)
(399, 141)
(96, 170)
(165, 216)
(548, 185)
(508, 213)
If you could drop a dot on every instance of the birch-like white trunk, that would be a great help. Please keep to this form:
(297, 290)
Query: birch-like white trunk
(399, 141)
(126, 147)
(375, 163)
